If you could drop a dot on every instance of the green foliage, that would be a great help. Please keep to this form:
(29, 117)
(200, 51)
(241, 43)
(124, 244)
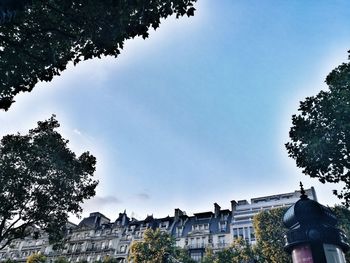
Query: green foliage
(343, 216)
(10, 261)
(61, 259)
(209, 256)
(181, 255)
(41, 181)
(46, 35)
(240, 251)
(320, 135)
(157, 247)
(269, 232)
(109, 259)
(36, 258)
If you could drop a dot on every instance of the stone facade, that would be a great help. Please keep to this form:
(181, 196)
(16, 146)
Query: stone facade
(96, 236)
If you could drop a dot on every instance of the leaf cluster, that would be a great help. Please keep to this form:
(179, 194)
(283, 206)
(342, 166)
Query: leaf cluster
(48, 34)
(36, 258)
(343, 216)
(320, 135)
(61, 259)
(157, 247)
(269, 232)
(240, 251)
(41, 181)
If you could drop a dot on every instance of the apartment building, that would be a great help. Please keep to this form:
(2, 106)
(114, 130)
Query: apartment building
(96, 236)
(244, 211)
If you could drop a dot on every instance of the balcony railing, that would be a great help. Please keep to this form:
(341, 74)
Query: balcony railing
(196, 246)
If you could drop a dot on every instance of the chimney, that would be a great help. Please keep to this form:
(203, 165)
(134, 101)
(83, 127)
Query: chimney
(178, 213)
(216, 210)
(233, 207)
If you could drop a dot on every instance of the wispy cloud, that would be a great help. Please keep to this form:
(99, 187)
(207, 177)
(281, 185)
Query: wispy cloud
(143, 196)
(76, 131)
(98, 202)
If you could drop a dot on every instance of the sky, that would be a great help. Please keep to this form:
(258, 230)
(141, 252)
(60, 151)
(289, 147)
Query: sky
(200, 111)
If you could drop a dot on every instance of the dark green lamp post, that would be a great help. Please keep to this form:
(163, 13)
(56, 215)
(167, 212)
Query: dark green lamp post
(313, 236)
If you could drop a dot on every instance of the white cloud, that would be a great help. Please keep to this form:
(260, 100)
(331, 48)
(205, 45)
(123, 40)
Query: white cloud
(76, 131)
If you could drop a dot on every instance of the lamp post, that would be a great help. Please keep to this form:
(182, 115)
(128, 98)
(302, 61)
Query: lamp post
(312, 236)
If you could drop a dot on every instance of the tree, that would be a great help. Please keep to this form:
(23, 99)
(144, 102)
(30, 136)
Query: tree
(320, 135)
(156, 247)
(36, 258)
(38, 44)
(181, 256)
(343, 216)
(270, 231)
(240, 251)
(109, 259)
(41, 182)
(209, 256)
(61, 259)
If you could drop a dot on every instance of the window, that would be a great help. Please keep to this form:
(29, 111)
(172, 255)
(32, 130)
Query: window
(222, 226)
(240, 232)
(235, 233)
(246, 234)
(122, 248)
(197, 256)
(178, 231)
(252, 234)
(221, 241)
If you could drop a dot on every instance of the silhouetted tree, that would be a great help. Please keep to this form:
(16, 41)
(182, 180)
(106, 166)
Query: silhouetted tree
(39, 43)
(41, 181)
(343, 216)
(320, 135)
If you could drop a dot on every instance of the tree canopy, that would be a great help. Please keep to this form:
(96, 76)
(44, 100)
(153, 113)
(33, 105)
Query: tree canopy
(157, 247)
(36, 258)
(240, 251)
(270, 231)
(41, 182)
(343, 216)
(46, 35)
(320, 135)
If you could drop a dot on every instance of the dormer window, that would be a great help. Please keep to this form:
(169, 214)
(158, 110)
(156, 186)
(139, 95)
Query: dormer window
(179, 231)
(223, 226)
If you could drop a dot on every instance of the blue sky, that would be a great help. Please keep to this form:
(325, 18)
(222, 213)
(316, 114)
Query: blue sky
(199, 112)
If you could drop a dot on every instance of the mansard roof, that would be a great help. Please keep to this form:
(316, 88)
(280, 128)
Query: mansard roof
(168, 218)
(149, 218)
(95, 220)
(204, 215)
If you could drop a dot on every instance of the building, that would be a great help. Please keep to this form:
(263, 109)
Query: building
(96, 236)
(243, 211)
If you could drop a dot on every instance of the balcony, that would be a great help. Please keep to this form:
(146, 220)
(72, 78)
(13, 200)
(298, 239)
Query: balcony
(221, 245)
(198, 246)
(121, 253)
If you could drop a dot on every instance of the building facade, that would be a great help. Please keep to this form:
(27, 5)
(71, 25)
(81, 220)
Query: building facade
(97, 237)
